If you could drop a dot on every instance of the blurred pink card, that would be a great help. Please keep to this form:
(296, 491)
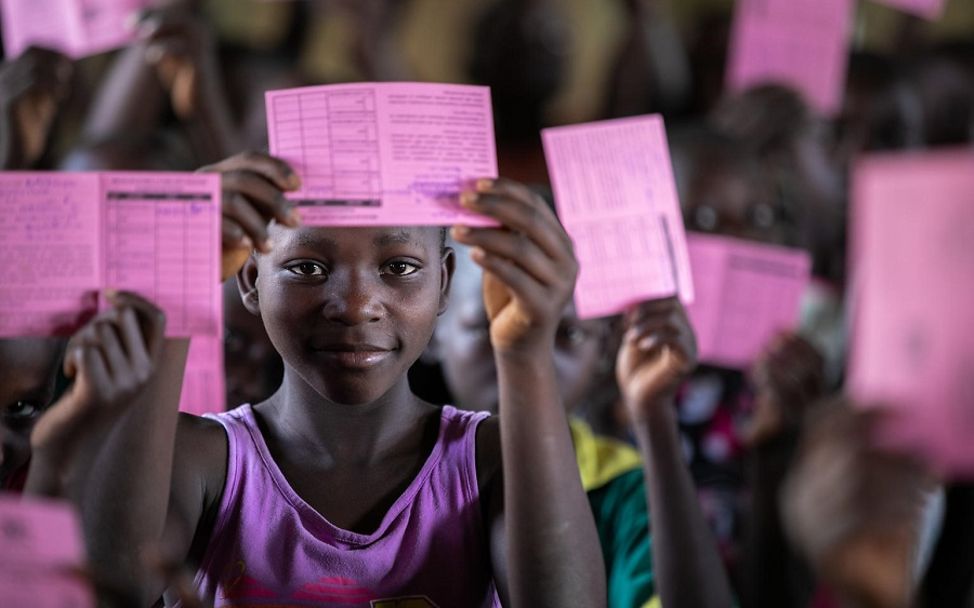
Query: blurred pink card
(69, 235)
(746, 293)
(40, 552)
(913, 328)
(614, 188)
(77, 28)
(928, 9)
(204, 383)
(798, 43)
(384, 154)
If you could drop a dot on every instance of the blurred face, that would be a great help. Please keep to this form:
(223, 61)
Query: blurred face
(720, 201)
(28, 368)
(253, 367)
(350, 309)
(463, 347)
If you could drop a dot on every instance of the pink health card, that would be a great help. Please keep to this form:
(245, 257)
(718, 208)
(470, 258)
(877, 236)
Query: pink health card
(798, 43)
(746, 293)
(204, 382)
(384, 154)
(77, 28)
(928, 9)
(40, 549)
(67, 236)
(614, 188)
(913, 331)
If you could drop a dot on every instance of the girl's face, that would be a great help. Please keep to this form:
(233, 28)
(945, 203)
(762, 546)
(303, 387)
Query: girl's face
(350, 309)
(28, 368)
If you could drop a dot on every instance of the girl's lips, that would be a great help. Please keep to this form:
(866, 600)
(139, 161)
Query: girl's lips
(355, 356)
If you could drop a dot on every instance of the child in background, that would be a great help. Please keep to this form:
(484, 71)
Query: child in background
(611, 471)
(742, 427)
(253, 368)
(343, 485)
(32, 88)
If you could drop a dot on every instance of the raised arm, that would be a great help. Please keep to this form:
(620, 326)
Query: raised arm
(658, 352)
(552, 555)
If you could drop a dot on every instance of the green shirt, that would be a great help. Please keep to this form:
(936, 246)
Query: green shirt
(612, 476)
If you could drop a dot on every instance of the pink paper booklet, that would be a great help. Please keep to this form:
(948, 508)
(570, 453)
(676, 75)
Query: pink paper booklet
(615, 193)
(798, 43)
(204, 383)
(67, 236)
(41, 552)
(913, 328)
(77, 28)
(746, 293)
(384, 154)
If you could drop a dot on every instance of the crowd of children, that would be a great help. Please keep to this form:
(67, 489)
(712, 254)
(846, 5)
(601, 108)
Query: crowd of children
(418, 415)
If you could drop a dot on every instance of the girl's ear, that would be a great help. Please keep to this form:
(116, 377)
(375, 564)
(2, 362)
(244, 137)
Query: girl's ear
(247, 284)
(448, 266)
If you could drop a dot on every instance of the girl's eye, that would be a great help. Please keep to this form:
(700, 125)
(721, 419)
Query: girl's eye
(400, 269)
(307, 269)
(22, 411)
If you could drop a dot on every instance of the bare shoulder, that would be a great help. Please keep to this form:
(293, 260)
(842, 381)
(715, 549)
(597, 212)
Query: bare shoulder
(201, 451)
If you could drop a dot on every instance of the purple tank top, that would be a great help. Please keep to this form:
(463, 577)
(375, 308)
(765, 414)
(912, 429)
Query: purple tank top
(270, 548)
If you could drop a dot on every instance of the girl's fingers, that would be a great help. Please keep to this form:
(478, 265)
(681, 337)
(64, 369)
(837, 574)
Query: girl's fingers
(517, 248)
(531, 217)
(272, 169)
(518, 281)
(233, 236)
(132, 339)
(93, 373)
(238, 209)
(112, 351)
(151, 320)
(263, 195)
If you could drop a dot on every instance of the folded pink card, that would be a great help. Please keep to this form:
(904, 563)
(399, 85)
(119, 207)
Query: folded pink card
(746, 292)
(928, 9)
(204, 383)
(66, 236)
(615, 193)
(797, 43)
(77, 28)
(913, 330)
(41, 553)
(374, 154)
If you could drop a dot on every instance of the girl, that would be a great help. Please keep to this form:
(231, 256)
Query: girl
(343, 488)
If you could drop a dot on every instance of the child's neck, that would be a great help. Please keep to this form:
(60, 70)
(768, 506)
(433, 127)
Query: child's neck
(343, 434)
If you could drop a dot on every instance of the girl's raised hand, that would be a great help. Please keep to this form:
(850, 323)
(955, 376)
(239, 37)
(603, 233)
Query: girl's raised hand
(529, 264)
(111, 359)
(253, 186)
(658, 352)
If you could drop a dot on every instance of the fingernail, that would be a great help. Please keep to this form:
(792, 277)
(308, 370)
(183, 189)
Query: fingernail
(459, 232)
(646, 343)
(110, 294)
(483, 185)
(293, 181)
(469, 199)
(477, 254)
(268, 245)
(293, 218)
(246, 243)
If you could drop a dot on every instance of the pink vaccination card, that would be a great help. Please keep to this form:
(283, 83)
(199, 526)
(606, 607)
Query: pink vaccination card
(913, 330)
(384, 154)
(77, 28)
(41, 553)
(797, 43)
(67, 236)
(745, 293)
(615, 193)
